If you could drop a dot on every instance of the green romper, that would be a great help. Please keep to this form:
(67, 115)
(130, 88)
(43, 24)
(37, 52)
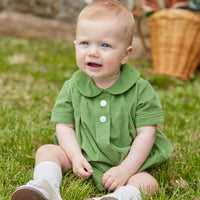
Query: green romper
(106, 119)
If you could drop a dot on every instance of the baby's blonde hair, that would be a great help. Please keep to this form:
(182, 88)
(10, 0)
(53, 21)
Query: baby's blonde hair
(110, 9)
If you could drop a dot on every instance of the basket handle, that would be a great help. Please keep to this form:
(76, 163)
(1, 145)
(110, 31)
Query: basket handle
(140, 33)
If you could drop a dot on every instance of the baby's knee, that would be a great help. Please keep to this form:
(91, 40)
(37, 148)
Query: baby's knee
(54, 153)
(46, 150)
(145, 182)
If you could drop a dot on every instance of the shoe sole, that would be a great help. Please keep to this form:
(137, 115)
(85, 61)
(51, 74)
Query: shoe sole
(27, 193)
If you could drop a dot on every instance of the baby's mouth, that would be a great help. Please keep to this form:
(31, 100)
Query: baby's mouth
(95, 65)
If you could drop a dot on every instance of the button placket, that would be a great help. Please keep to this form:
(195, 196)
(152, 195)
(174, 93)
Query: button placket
(103, 120)
(103, 104)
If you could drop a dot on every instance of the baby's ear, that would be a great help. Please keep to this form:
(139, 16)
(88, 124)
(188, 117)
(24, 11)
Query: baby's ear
(126, 55)
(74, 42)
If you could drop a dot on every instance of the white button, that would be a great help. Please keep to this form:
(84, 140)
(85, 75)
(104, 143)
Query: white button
(103, 118)
(103, 103)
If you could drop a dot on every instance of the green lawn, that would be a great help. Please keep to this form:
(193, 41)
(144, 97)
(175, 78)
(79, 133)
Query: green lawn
(31, 75)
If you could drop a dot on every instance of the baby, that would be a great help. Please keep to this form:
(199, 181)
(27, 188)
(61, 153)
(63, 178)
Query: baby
(106, 115)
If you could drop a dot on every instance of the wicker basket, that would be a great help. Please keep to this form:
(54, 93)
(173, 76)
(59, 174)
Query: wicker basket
(175, 40)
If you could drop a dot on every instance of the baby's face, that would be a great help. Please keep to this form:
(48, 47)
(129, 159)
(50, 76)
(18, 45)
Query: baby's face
(101, 48)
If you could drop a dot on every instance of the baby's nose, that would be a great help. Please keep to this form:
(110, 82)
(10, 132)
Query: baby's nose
(93, 52)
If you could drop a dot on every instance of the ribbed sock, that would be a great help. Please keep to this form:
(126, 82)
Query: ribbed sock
(49, 171)
(127, 192)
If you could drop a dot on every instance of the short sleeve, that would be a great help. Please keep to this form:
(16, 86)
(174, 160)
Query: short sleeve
(148, 109)
(63, 111)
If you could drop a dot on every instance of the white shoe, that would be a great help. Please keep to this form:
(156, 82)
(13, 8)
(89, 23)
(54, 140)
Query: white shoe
(36, 190)
(102, 198)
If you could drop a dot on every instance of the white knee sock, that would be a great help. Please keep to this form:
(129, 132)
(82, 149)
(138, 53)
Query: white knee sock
(127, 192)
(49, 171)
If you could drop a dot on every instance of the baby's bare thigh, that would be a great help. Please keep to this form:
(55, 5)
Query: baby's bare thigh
(54, 153)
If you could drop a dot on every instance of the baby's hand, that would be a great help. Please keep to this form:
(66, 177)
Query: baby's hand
(114, 178)
(81, 167)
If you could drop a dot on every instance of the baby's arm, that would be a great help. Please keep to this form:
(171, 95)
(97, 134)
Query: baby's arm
(141, 147)
(69, 143)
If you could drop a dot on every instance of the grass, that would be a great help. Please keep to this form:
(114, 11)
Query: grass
(31, 75)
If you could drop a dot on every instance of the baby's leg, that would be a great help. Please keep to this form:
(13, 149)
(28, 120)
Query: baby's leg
(142, 181)
(53, 153)
(145, 182)
(50, 160)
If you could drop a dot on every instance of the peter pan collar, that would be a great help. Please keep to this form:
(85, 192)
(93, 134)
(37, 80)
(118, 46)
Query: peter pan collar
(87, 87)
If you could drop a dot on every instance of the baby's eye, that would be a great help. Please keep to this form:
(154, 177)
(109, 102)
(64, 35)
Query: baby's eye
(105, 45)
(85, 43)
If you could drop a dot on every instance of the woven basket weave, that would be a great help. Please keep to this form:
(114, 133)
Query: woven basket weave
(175, 40)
